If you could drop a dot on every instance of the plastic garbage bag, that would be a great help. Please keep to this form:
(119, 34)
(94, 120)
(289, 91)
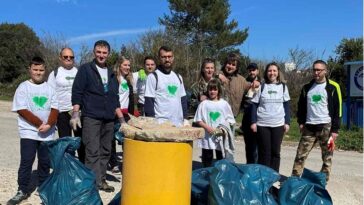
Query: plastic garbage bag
(230, 183)
(118, 136)
(71, 182)
(309, 190)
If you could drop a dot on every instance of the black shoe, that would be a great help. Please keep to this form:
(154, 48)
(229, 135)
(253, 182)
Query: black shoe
(19, 197)
(103, 186)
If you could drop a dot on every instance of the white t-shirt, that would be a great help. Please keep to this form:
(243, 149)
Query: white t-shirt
(317, 110)
(104, 76)
(167, 103)
(213, 113)
(139, 87)
(124, 93)
(38, 99)
(62, 83)
(270, 111)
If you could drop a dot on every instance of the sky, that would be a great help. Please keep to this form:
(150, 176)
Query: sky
(275, 26)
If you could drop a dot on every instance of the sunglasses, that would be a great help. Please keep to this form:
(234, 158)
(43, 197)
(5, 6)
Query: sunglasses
(68, 57)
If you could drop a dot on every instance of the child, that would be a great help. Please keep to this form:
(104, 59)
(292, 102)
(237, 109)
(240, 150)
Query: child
(210, 114)
(35, 102)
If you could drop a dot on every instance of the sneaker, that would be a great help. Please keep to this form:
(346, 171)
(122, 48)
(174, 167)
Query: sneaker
(19, 197)
(115, 169)
(103, 186)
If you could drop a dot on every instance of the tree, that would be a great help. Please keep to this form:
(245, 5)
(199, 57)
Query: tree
(203, 24)
(18, 44)
(301, 58)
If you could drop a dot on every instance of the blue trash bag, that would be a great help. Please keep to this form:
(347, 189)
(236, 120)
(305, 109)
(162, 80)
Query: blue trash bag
(116, 200)
(228, 183)
(118, 136)
(309, 190)
(200, 186)
(71, 182)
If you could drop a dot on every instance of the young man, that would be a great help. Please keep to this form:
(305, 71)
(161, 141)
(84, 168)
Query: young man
(165, 95)
(250, 137)
(36, 104)
(95, 93)
(61, 79)
(318, 116)
(140, 78)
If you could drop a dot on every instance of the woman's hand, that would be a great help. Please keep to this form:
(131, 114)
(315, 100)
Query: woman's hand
(254, 127)
(286, 128)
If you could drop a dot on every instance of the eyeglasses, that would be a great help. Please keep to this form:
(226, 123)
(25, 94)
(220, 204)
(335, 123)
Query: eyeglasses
(68, 57)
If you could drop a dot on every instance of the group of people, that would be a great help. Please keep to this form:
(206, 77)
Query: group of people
(90, 100)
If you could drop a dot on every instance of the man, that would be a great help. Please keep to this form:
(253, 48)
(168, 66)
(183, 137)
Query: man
(140, 78)
(95, 93)
(61, 79)
(318, 117)
(250, 137)
(165, 95)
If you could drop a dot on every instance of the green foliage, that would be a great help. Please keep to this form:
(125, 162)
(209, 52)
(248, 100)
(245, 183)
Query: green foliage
(18, 44)
(203, 24)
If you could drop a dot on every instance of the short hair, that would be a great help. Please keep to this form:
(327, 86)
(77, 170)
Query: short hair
(319, 62)
(232, 57)
(214, 84)
(204, 62)
(102, 43)
(149, 58)
(266, 79)
(164, 48)
(64, 48)
(37, 60)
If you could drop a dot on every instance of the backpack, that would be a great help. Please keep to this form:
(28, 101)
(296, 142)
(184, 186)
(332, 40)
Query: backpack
(156, 78)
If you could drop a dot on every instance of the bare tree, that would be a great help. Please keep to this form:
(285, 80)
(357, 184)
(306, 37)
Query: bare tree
(301, 58)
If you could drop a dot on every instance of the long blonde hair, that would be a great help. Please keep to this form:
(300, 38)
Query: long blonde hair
(129, 77)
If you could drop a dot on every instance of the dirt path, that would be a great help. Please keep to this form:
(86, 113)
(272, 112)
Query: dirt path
(345, 187)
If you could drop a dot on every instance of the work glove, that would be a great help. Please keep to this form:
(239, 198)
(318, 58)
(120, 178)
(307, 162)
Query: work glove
(75, 120)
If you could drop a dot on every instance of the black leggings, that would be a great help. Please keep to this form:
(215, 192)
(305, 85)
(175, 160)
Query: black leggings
(208, 155)
(269, 146)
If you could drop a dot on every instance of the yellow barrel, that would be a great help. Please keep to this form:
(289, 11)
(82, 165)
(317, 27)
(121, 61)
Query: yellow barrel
(156, 173)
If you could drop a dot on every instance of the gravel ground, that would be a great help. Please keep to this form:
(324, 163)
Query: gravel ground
(345, 186)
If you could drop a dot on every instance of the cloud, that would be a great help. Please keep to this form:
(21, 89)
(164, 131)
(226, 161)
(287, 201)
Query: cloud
(105, 34)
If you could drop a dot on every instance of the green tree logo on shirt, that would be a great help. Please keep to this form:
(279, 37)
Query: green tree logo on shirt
(172, 90)
(40, 101)
(214, 116)
(124, 86)
(316, 98)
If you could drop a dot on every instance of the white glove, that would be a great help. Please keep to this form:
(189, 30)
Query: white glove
(186, 123)
(75, 120)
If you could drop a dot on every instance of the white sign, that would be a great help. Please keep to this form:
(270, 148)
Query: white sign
(356, 80)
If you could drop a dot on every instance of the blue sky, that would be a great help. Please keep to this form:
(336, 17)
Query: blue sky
(274, 25)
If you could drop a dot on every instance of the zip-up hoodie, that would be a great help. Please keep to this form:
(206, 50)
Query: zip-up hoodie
(88, 92)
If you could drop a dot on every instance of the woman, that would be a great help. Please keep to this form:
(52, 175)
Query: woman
(199, 89)
(271, 116)
(125, 79)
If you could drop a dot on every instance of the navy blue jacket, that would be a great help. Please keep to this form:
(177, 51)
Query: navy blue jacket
(88, 92)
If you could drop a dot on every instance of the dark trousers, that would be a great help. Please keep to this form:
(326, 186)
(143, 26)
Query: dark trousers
(65, 130)
(250, 139)
(208, 155)
(269, 146)
(28, 149)
(97, 136)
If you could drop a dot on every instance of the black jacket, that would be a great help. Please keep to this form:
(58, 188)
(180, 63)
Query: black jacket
(333, 105)
(88, 92)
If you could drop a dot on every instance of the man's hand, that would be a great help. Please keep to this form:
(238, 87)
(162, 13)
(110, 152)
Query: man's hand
(301, 128)
(255, 84)
(223, 78)
(331, 142)
(254, 127)
(75, 120)
(186, 123)
(203, 97)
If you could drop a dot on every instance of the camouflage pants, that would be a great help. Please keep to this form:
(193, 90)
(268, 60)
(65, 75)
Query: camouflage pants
(310, 135)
